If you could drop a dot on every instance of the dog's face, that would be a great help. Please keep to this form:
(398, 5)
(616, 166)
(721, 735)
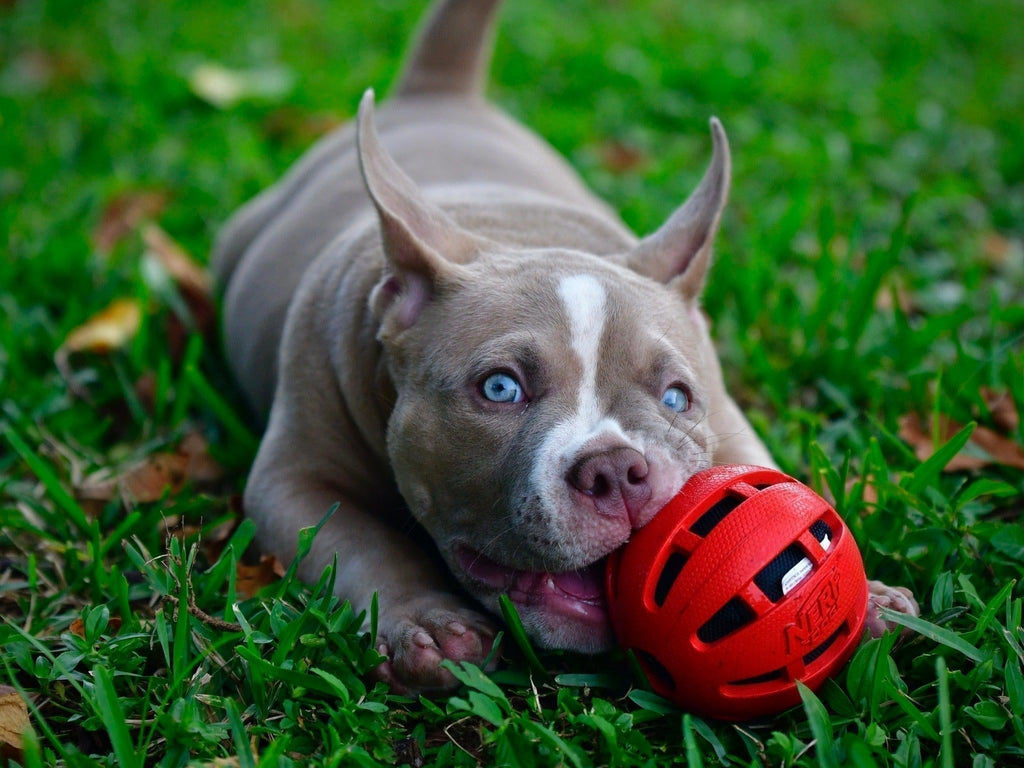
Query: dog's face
(549, 402)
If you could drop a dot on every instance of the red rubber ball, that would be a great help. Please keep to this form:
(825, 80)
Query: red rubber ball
(746, 582)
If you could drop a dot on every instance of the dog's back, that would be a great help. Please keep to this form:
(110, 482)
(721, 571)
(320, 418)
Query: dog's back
(442, 133)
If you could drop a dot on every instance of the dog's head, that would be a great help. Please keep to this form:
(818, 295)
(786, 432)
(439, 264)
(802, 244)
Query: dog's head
(549, 401)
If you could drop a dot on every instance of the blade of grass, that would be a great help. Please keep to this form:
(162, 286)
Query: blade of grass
(933, 632)
(945, 718)
(108, 707)
(222, 410)
(518, 632)
(929, 470)
(243, 750)
(693, 757)
(52, 483)
(821, 727)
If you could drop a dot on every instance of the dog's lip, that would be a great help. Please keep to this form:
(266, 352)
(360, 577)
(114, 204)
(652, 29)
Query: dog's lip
(577, 594)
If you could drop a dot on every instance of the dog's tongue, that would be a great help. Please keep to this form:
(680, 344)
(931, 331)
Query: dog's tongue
(585, 584)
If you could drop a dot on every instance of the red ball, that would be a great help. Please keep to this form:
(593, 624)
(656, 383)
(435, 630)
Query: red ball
(746, 582)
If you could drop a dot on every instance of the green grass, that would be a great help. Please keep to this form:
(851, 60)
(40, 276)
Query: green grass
(879, 152)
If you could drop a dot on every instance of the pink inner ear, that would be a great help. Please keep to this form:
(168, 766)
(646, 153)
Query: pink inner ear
(414, 293)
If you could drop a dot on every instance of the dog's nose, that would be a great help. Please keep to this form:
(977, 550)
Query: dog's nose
(615, 480)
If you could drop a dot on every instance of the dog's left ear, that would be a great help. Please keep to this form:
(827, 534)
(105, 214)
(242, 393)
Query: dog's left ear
(679, 253)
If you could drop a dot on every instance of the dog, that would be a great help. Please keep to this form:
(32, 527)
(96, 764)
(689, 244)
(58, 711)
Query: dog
(476, 360)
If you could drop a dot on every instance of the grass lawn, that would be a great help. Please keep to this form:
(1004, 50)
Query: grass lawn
(868, 302)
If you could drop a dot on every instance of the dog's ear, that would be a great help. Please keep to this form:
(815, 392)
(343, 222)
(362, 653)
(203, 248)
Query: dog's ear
(679, 253)
(423, 245)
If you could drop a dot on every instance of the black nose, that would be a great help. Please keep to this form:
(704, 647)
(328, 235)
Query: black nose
(615, 480)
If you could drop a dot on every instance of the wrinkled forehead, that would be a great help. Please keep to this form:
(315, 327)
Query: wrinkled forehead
(565, 307)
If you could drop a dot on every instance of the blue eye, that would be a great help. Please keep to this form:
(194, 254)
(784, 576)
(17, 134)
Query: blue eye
(676, 399)
(502, 388)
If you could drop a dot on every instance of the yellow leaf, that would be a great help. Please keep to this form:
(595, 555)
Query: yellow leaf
(109, 329)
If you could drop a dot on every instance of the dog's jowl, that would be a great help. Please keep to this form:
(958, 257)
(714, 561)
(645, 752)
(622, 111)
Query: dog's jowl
(441, 322)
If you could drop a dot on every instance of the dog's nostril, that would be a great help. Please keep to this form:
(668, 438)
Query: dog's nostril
(637, 474)
(600, 487)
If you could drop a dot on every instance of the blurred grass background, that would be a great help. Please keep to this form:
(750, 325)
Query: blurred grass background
(871, 266)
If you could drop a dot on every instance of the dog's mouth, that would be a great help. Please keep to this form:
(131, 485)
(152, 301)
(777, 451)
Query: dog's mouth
(572, 595)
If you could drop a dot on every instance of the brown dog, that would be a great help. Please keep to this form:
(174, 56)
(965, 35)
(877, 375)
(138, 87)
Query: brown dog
(443, 321)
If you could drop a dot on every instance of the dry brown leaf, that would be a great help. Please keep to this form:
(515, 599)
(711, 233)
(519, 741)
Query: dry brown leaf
(13, 723)
(995, 249)
(194, 284)
(143, 482)
(109, 329)
(293, 126)
(990, 447)
(78, 626)
(1004, 411)
(201, 468)
(869, 493)
(884, 298)
(619, 157)
(250, 579)
(148, 480)
(145, 390)
(186, 273)
(123, 215)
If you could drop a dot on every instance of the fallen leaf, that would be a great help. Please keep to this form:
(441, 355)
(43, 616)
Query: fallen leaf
(986, 446)
(995, 248)
(202, 468)
(13, 723)
(109, 329)
(166, 259)
(869, 492)
(620, 157)
(1002, 408)
(143, 481)
(78, 626)
(145, 390)
(122, 216)
(250, 579)
(147, 480)
(224, 88)
(884, 298)
(290, 125)
(186, 273)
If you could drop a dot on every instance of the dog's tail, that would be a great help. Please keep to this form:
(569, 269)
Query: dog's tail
(452, 50)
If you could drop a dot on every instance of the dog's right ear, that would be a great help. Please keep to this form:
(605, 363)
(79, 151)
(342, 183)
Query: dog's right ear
(423, 245)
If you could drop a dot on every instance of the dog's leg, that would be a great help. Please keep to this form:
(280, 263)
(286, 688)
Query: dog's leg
(421, 621)
(314, 455)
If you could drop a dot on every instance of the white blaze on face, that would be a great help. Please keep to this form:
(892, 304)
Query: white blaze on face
(584, 299)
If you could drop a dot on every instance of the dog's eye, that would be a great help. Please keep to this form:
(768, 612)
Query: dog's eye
(502, 388)
(676, 399)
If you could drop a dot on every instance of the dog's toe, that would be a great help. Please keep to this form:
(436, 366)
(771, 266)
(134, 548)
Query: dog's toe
(417, 644)
(899, 599)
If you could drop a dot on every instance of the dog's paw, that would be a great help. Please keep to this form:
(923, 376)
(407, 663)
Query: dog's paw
(419, 634)
(898, 599)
